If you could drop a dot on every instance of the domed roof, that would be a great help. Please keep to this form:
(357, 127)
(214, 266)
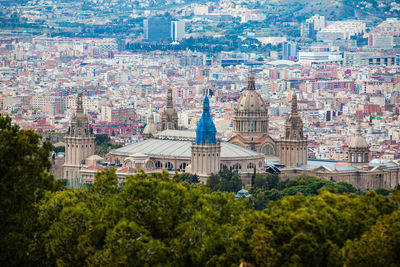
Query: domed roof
(251, 101)
(206, 131)
(151, 127)
(358, 141)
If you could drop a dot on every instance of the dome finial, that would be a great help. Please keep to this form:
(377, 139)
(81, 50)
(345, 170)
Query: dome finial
(359, 131)
(251, 84)
(294, 103)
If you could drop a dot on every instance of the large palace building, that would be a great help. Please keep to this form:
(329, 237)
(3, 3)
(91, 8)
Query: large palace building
(248, 149)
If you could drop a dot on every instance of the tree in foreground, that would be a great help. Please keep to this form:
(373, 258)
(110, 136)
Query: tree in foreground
(24, 177)
(226, 180)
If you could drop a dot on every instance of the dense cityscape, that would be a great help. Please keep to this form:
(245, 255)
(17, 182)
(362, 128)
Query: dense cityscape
(269, 102)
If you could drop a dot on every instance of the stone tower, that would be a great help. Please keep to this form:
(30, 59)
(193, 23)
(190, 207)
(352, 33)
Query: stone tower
(79, 143)
(293, 143)
(250, 122)
(358, 149)
(169, 117)
(206, 150)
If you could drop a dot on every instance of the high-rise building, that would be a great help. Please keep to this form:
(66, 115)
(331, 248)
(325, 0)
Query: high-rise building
(289, 51)
(79, 144)
(307, 30)
(157, 29)
(293, 143)
(206, 150)
(177, 30)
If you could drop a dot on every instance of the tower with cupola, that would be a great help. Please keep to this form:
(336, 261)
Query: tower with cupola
(206, 149)
(293, 143)
(79, 143)
(169, 117)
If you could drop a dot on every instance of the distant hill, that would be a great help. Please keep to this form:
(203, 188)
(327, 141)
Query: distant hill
(290, 10)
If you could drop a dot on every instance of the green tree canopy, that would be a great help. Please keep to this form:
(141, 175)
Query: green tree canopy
(226, 180)
(24, 178)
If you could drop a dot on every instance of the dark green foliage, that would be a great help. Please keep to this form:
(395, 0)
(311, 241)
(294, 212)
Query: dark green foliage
(267, 187)
(226, 180)
(189, 178)
(24, 177)
(103, 144)
(59, 149)
(382, 191)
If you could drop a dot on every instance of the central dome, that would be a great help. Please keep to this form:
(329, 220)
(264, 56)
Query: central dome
(251, 102)
(358, 141)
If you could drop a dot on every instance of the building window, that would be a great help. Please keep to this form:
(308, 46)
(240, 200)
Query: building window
(159, 164)
(169, 166)
(250, 166)
(237, 166)
(182, 167)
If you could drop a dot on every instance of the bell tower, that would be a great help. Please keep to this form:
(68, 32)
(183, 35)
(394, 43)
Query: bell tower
(79, 143)
(169, 117)
(206, 150)
(293, 143)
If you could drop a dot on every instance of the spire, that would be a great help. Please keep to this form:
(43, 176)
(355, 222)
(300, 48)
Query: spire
(206, 131)
(151, 118)
(79, 103)
(359, 132)
(251, 84)
(294, 103)
(170, 103)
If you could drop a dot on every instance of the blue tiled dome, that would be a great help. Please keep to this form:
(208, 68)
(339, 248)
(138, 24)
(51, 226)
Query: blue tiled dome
(206, 131)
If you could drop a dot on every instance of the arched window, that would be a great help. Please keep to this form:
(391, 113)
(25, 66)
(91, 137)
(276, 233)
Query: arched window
(169, 166)
(250, 166)
(150, 165)
(260, 164)
(237, 166)
(359, 158)
(128, 163)
(182, 167)
(269, 150)
(159, 165)
(117, 162)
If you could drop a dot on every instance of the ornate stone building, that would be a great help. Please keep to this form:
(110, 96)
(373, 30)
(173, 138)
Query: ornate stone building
(169, 117)
(293, 143)
(358, 152)
(79, 143)
(250, 122)
(206, 150)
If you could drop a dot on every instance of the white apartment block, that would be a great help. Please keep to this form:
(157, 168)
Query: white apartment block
(341, 30)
